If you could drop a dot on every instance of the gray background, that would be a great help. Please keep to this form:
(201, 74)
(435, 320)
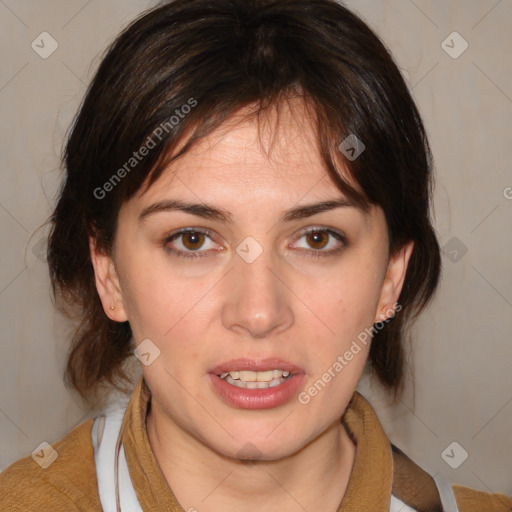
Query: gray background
(462, 350)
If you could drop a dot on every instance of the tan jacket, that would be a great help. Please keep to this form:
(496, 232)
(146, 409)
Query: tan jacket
(69, 483)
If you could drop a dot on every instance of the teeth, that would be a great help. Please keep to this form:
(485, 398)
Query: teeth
(254, 384)
(248, 376)
(265, 376)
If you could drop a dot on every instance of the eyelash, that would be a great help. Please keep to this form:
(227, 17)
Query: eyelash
(314, 254)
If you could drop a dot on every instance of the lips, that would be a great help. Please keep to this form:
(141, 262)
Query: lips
(256, 365)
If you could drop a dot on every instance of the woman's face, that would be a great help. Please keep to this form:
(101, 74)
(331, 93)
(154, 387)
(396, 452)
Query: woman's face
(262, 282)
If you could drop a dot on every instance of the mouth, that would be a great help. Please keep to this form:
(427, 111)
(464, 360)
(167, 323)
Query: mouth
(256, 380)
(256, 384)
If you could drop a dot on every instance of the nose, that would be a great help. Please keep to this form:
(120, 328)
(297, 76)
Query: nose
(257, 300)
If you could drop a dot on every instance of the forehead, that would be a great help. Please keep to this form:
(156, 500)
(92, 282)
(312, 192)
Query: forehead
(275, 152)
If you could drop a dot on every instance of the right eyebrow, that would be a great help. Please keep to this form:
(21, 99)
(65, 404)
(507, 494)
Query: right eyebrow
(199, 209)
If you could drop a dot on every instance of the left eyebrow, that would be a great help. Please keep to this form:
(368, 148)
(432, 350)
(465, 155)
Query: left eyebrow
(211, 212)
(309, 210)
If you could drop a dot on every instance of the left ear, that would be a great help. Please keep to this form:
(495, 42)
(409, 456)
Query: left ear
(393, 282)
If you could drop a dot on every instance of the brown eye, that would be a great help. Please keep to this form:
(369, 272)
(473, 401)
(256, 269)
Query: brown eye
(317, 239)
(317, 242)
(191, 244)
(193, 240)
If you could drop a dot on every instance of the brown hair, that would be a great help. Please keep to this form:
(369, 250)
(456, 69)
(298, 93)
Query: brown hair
(217, 56)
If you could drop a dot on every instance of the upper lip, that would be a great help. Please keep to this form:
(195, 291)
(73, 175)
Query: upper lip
(256, 365)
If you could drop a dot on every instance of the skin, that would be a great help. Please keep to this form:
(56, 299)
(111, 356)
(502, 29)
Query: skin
(205, 311)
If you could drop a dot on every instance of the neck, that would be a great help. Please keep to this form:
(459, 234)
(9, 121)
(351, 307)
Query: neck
(314, 478)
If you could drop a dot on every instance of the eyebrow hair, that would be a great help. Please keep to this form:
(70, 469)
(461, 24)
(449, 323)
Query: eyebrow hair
(211, 212)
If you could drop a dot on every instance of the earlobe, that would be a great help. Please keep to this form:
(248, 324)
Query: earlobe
(393, 282)
(107, 283)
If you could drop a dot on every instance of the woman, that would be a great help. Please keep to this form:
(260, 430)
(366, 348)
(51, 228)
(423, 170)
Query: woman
(247, 210)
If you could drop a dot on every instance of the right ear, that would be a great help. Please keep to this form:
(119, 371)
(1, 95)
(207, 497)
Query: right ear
(107, 283)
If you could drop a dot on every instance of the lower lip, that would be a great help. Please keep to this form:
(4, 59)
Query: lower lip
(267, 398)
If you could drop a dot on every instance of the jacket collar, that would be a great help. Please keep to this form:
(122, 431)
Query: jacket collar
(370, 483)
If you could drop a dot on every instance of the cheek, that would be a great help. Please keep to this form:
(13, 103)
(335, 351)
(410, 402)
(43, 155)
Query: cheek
(147, 296)
(164, 306)
(347, 301)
